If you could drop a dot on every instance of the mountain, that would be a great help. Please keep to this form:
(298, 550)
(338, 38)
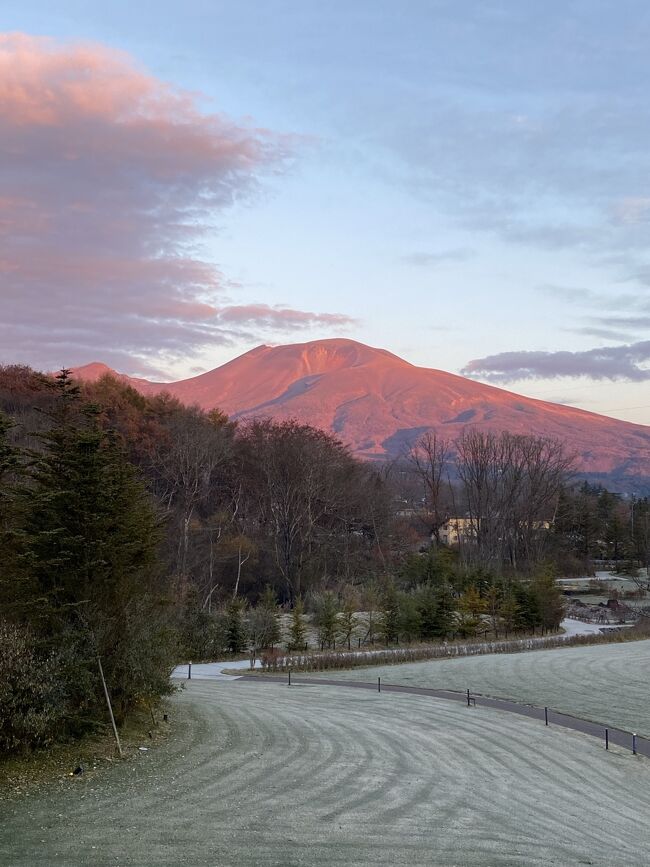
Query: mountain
(378, 403)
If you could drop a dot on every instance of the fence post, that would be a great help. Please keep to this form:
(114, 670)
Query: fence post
(468, 702)
(634, 743)
(289, 684)
(606, 739)
(546, 716)
(189, 671)
(379, 684)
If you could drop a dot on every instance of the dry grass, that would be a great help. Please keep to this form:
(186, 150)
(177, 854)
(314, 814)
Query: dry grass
(32, 771)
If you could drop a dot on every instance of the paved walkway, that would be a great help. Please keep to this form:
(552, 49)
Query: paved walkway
(212, 670)
(617, 737)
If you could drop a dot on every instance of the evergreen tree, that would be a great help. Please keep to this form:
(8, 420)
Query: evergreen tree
(409, 621)
(528, 616)
(268, 604)
(347, 623)
(371, 601)
(236, 636)
(433, 568)
(493, 598)
(471, 607)
(427, 603)
(445, 609)
(548, 598)
(91, 554)
(389, 620)
(509, 612)
(326, 620)
(298, 630)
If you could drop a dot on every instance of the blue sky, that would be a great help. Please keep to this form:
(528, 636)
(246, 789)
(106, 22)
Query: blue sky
(465, 184)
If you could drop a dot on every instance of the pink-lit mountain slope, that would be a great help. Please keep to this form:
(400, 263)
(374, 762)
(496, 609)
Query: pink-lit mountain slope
(377, 402)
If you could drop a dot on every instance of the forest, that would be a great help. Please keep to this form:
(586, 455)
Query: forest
(137, 532)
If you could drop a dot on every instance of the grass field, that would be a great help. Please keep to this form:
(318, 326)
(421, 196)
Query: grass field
(259, 774)
(605, 683)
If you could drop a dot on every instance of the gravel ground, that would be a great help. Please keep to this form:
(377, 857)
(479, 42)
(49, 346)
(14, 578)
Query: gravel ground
(259, 774)
(606, 683)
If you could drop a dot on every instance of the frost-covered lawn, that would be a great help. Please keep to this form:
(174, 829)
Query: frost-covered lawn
(258, 774)
(606, 683)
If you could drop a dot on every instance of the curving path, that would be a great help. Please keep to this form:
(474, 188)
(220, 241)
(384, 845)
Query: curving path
(604, 683)
(254, 777)
(216, 670)
(614, 737)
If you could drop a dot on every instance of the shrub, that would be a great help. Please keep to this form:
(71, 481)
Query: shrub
(329, 660)
(32, 692)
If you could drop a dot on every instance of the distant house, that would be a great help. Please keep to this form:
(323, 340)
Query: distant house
(460, 530)
(457, 530)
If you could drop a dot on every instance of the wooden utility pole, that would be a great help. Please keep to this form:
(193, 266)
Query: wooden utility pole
(110, 708)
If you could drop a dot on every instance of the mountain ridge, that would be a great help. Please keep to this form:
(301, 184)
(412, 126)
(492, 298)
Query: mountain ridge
(377, 402)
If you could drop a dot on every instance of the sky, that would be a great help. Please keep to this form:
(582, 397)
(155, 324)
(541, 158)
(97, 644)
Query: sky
(465, 184)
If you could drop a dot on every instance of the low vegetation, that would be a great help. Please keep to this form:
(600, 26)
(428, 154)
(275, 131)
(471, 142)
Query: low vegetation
(273, 661)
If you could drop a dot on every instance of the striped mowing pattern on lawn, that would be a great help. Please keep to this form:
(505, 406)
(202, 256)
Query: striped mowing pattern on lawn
(606, 683)
(260, 774)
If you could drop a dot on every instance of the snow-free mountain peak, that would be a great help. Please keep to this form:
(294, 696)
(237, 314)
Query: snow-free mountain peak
(378, 403)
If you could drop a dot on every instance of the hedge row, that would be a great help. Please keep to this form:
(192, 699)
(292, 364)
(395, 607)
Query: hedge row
(328, 660)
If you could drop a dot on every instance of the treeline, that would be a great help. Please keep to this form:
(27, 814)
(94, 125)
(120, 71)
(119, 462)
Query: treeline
(80, 581)
(127, 523)
(593, 524)
(499, 492)
(517, 504)
(241, 506)
(431, 598)
(136, 532)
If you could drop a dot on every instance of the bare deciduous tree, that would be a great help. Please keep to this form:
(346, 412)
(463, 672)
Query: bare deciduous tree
(185, 464)
(428, 458)
(510, 487)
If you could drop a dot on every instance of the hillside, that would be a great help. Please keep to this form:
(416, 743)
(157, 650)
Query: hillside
(378, 403)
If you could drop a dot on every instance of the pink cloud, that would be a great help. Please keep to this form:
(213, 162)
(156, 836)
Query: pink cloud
(281, 317)
(108, 178)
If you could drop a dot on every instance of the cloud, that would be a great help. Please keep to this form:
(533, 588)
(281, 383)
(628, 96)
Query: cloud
(614, 300)
(534, 144)
(626, 314)
(572, 294)
(424, 260)
(630, 323)
(109, 181)
(632, 209)
(604, 333)
(622, 362)
(265, 316)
